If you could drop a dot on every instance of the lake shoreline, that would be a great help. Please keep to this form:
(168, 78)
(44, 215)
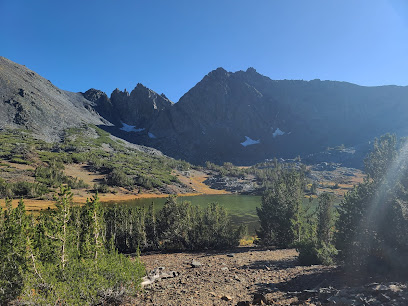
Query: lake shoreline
(39, 204)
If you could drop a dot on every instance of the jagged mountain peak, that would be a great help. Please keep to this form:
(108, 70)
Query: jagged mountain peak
(139, 108)
(93, 94)
(251, 70)
(141, 90)
(141, 86)
(219, 73)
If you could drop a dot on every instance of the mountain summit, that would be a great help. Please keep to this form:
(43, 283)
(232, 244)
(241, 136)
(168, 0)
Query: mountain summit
(245, 117)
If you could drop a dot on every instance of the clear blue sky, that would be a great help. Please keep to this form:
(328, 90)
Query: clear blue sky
(170, 45)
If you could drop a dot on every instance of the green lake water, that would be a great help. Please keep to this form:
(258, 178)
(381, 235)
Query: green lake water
(241, 208)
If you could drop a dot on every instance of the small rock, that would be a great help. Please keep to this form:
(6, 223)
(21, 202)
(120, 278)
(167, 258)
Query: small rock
(196, 264)
(259, 299)
(226, 298)
(230, 255)
(212, 293)
(224, 269)
(243, 303)
(380, 287)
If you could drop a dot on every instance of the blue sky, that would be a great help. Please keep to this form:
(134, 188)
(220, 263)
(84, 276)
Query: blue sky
(170, 45)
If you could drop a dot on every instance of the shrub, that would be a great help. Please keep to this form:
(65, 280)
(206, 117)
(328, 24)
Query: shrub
(118, 177)
(318, 248)
(101, 188)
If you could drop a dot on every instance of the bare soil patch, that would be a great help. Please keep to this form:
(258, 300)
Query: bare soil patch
(81, 172)
(226, 278)
(195, 179)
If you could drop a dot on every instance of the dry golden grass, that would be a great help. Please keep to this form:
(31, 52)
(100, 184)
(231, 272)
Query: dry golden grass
(82, 173)
(196, 181)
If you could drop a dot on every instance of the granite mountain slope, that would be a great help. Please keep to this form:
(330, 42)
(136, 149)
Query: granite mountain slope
(29, 101)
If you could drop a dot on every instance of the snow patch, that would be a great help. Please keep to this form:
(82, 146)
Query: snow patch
(130, 128)
(278, 132)
(248, 142)
(151, 135)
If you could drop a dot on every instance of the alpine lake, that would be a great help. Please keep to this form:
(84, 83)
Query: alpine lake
(241, 208)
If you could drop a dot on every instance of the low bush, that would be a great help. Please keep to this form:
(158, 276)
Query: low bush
(101, 188)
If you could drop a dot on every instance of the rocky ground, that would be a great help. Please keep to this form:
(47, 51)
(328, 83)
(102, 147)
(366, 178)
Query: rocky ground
(254, 276)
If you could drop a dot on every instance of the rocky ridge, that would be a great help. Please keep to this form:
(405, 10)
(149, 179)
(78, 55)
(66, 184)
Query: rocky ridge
(140, 108)
(241, 117)
(245, 117)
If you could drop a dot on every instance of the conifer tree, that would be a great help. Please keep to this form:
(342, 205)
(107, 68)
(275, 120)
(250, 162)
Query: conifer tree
(325, 218)
(93, 228)
(59, 228)
(280, 211)
(372, 223)
(13, 251)
(151, 228)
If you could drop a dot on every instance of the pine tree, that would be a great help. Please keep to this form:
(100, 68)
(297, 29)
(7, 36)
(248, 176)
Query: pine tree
(58, 228)
(174, 223)
(380, 158)
(92, 236)
(151, 228)
(279, 214)
(13, 251)
(372, 217)
(325, 218)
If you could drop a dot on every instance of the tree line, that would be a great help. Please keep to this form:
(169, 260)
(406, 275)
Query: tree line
(178, 226)
(74, 254)
(366, 231)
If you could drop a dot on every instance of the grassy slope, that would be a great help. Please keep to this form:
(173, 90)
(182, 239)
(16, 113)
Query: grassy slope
(91, 150)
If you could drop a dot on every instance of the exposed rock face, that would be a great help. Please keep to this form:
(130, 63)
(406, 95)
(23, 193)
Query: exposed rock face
(102, 104)
(212, 120)
(140, 108)
(226, 111)
(27, 100)
(244, 117)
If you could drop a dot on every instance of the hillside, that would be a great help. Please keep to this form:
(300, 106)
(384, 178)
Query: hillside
(29, 101)
(88, 160)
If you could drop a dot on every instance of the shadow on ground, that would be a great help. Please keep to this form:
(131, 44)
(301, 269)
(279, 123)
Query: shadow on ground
(271, 264)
